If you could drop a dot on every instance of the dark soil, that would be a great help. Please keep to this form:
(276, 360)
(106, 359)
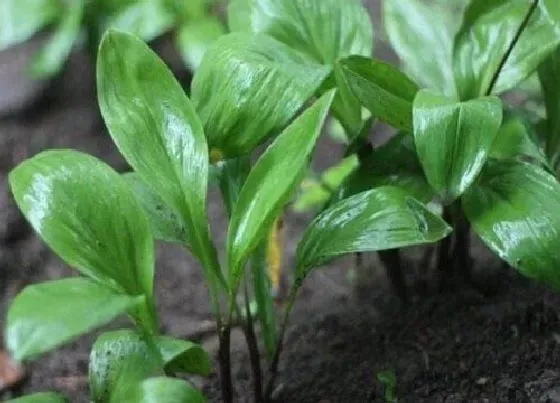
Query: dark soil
(450, 347)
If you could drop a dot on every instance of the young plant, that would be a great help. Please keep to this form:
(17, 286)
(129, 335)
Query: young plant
(250, 88)
(194, 26)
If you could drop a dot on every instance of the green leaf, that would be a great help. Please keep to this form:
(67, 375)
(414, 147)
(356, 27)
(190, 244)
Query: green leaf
(51, 58)
(488, 28)
(146, 19)
(515, 208)
(395, 163)
(88, 215)
(42, 397)
(514, 140)
(118, 361)
(379, 219)
(551, 10)
(323, 30)
(549, 74)
(271, 182)
(453, 139)
(184, 356)
(424, 43)
(156, 128)
(195, 37)
(44, 316)
(165, 224)
(315, 192)
(227, 90)
(18, 23)
(166, 390)
(385, 91)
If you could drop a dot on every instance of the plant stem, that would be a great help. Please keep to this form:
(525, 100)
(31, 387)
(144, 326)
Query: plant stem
(273, 369)
(444, 251)
(254, 355)
(461, 250)
(391, 259)
(512, 44)
(225, 364)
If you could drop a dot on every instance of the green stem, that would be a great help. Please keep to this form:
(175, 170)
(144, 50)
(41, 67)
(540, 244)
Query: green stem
(512, 44)
(273, 369)
(252, 345)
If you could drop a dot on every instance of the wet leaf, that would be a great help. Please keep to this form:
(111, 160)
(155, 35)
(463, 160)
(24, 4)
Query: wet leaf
(488, 28)
(166, 390)
(42, 397)
(378, 219)
(228, 93)
(322, 30)
(156, 128)
(424, 43)
(271, 182)
(549, 74)
(88, 215)
(44, 316)
(195, 37)
(453, 139)
(381, 88)
(515, 208)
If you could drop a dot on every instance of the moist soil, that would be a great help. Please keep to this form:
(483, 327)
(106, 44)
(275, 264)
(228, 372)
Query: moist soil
(499, 343)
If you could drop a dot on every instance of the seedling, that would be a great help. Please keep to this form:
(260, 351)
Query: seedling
(273, 81)
(389, 381)
(194, 26)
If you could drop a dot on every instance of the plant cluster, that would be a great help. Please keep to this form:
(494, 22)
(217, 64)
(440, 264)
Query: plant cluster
(77, 21)
(273, 81)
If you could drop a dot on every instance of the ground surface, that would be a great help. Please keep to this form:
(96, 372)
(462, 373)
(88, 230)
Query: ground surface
(455, 347)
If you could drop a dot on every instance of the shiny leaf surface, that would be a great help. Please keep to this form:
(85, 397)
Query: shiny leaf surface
(195, 37)
(46, 315)
(383, 218)
(165, 224)
(453, 139)
(381, 88)
(515, 208)
(18, 24)
(248, 88)
(51, 58)
(88, 215)
(42, 397)
(232, 175)
(549, 74)
(423, 43)
(488, 28)
(323, 30)
(271, 182)
(166, 390)
(156, 128)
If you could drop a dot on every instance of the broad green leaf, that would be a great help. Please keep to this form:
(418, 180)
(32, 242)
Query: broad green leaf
(454, 139)
(118, 361)
(314, 192)
(191, 9)
(514, 140)
(394, 163)
(323, 30)
(44, 316)
(156, 128)
(184, 356)
(515, 208)
(424, 43)
(42, 397)
(21, 19)
(146, 19)
(88, 215)
(270, 184)
(195, 37)
(379, 219)
(381, 88)
(227, 90)
(165, 224)
(549, 74)
(51, 58)
(488, 28)
(166, 390)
